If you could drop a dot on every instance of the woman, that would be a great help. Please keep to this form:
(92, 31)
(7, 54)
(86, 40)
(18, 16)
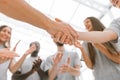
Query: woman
(104, 58)
(6, 63)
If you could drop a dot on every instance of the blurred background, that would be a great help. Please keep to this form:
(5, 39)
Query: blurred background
(71, 11)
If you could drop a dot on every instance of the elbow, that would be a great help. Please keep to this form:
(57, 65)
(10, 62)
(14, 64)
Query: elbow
(13, 70)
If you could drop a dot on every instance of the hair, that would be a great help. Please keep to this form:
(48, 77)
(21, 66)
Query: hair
(59, 44)
(6, 44)
(37, 44)
(98, 26)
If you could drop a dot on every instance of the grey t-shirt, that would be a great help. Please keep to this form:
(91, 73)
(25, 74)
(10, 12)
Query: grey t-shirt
(115, 26)
(75, 60)
(3, 68)
(104, 68)
(27, 66)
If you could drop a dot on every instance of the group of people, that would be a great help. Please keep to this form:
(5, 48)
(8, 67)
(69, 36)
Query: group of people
(100, 49)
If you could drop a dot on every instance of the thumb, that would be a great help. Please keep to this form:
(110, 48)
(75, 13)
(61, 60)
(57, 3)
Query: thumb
(58, 20)
(68, 60)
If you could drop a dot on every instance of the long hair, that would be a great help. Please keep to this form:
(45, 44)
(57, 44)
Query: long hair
(6, 44)
(37, 44)
(98, 26)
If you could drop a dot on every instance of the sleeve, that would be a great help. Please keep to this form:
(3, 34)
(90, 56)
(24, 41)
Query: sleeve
(115, 26)
(48, 63)
(84, 45)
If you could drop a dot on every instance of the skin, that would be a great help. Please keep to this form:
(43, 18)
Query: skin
(5, 53)
(21, 10)
(75, 71)
(5, 35)
(115, 3)
(115, 58)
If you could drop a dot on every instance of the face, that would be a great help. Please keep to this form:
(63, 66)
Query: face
(116, 3)
(5, 34)
(33, 47)
(88, 24)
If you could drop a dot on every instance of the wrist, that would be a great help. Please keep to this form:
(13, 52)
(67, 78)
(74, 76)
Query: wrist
(49, 25)
(25, 55)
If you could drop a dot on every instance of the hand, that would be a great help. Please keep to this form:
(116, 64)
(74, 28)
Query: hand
(77, 44)
(57, 58)
(36, 64)
(6, 54)
(30, 50)
(65, 67)
(64, 33)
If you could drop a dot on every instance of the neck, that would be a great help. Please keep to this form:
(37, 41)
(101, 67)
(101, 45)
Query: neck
(61, 49)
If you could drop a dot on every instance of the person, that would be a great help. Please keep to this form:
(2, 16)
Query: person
(102, 58)
(9, 63)
(32, 64)
(5, 53)
(20, 10)
(109, 34)
(63, 65)
(36, 67)
(116, 3)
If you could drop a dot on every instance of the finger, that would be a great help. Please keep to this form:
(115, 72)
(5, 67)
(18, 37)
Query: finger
(68, 61)
(57, 37)
(14, 49)
(58, 20)
(73, 33)
(62, 39)
(70, 37)
(69, 31)
(67, 41)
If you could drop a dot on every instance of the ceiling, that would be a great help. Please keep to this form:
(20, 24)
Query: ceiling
(71, 11)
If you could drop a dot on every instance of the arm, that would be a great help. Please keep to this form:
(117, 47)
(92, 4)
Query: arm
(18, 76)
(53, 71)
(85, 56)
(98, 36)
(113, 57)
(20, 10)
(15, 66)
(43, 75)
(75, 71)
(6, 53)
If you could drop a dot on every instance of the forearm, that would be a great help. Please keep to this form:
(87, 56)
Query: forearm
(52, 72)
(42, 73)
(17, 65)
(87, 60)
(113, 57)
(97, 36)
(18, 76)
(20, 10)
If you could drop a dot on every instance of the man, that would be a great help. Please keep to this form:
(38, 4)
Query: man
(63, 65)
(31, 69)
(20, 10)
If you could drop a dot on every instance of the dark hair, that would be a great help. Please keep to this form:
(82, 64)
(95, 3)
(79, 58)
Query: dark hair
(7, 44)
(59, 44)
(98, 26)
(37, 44)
